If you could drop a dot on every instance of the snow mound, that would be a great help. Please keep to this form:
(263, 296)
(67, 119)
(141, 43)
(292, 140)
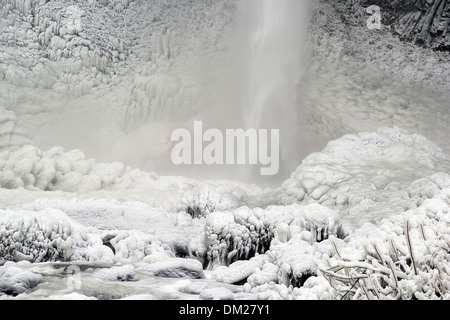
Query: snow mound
(108, 214)
(239, 271)
(140, 297)
(207, 199)
(117, 273)
(75, 296)
(369, 176)
(47, 235)
(174, 268)
(55, 169)
(219, 293)
(14, 280)
(297, 259)
(244, 232)
(289, 266)
(131, 246)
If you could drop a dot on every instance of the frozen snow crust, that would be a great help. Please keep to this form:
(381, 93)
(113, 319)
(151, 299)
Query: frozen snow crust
(366, 218)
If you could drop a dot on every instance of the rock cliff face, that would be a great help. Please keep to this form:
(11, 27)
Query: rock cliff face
(425, 22)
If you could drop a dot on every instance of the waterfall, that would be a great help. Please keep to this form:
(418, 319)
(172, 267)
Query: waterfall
(242, 76)
(272, 34)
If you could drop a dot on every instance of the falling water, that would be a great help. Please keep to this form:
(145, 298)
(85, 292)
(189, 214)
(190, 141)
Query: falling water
(252, 85)
(272, 34)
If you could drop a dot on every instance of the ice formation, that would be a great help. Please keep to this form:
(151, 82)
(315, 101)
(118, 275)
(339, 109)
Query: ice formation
(174, 268)
(209, 198)
(47, 235)
(376, 201)
(63, 44)
(172, 86)
(291, 238)
(344, 176)
(365, 216)
(405, 181)
(404, 258)
(29, 167)
(245, 232)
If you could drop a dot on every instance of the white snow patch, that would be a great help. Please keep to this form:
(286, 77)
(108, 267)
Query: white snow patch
(117, 273)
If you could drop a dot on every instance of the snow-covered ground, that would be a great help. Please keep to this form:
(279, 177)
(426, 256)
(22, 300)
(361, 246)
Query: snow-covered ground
(90, 209)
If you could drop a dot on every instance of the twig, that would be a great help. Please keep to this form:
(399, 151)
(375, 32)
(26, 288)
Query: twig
(422, 232)
(391, 265)
(394, 249)
(343, 278)
(363, 286)
(351, 288)
(335, 247)
(374, 287)
(408, 242)
(378, 252)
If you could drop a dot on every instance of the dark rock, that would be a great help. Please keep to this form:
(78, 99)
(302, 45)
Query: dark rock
(179, 272)
(14, 281)
(107, 242)
(424, 22)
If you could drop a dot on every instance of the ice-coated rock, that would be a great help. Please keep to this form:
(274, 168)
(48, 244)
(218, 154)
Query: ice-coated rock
(174, 268)
(14, 280)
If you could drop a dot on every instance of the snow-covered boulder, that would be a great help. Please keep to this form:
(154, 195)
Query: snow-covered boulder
(14, 280)
(117, 273)
(218, 293)
(173, 268)
(239, 271)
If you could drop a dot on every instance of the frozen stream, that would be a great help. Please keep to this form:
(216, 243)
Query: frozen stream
(78, 281)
